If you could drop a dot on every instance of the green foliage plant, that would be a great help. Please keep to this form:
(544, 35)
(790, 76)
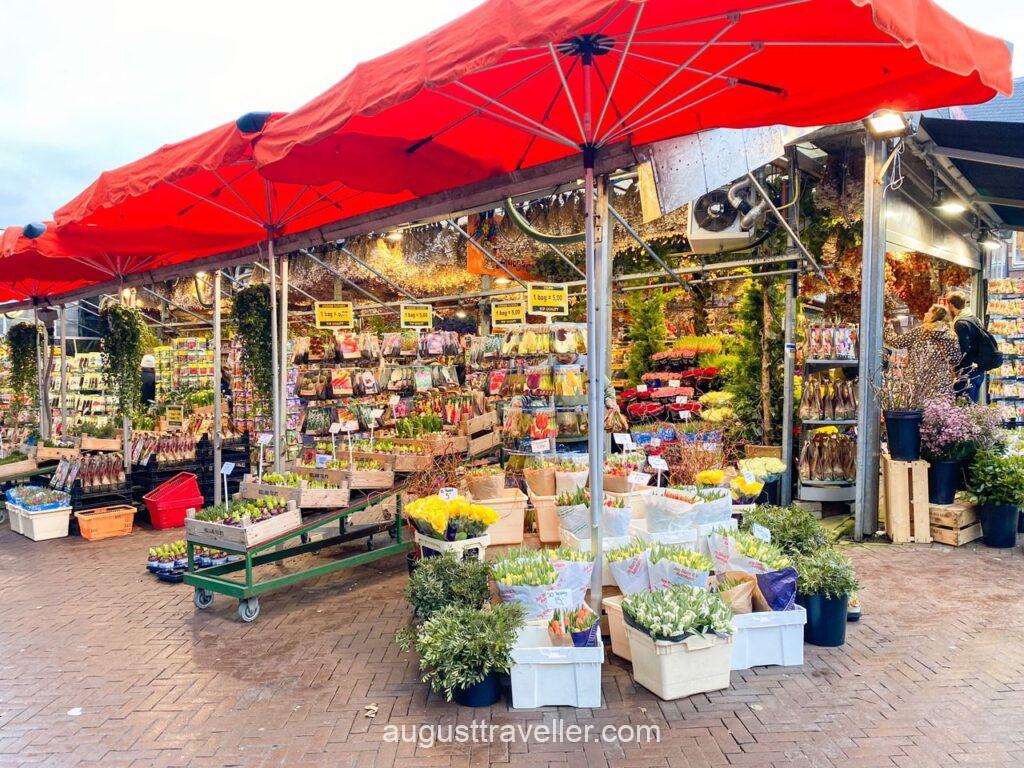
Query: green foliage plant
(438, 582)
(251, 312)
(997, 479)
(826, 572)
(121, 331)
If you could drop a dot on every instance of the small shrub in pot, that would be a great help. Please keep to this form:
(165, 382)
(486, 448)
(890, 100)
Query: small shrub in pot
(824, 586)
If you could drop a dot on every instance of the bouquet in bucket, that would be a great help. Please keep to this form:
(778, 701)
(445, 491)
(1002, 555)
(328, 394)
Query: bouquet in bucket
(577, 627)
(573, 508)
(744, 552)
(574, 569)
(673, 614)
(669, 565)
(570, 474)
(744, 490)
(454, 520)
(629, 567)
(525, 576)
(763, 468)
(617, 469)
(486, 482)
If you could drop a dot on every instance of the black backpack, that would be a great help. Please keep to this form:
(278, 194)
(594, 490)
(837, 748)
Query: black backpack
(987, 354)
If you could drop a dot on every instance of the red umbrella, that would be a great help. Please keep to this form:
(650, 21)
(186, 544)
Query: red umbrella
(39, 268)
(515, 83)
(198, 197)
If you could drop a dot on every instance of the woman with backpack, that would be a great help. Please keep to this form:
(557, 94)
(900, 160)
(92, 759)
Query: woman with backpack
(980, 351)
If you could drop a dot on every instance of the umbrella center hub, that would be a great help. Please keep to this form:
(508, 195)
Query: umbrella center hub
(587, 46)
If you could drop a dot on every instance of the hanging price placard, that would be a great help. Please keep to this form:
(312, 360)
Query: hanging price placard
(548, 299)
(334, 314)
(418, 316)
(507, 313)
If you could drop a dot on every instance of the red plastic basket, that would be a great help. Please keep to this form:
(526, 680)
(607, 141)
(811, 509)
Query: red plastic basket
(169, 501)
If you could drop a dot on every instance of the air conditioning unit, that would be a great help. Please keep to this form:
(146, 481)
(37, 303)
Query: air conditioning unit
(714, 224)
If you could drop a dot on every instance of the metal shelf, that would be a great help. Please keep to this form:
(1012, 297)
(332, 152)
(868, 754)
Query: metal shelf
(829, 423)
(818, 363)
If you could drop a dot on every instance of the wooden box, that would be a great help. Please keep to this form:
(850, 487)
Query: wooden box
(16, 468)
(955, 524)
(304, 497)
(101, 443)
(476, 424)
(483, 443)
(905, 488)
(47, 453)
(221, 536)
(383, 511)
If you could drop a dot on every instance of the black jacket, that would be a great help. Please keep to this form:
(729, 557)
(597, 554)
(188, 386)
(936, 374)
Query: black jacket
(968, 332)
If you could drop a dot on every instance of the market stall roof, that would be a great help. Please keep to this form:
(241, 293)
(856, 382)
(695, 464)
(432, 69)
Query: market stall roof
(37, 268)
(990, 155)
(502, 87)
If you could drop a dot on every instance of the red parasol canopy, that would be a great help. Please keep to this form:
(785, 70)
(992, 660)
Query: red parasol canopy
(502, 87)
(37, 268)
(198, 197)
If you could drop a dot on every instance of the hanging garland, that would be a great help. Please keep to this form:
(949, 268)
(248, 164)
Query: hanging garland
(121, 332)
(22, 343)
(251, 313)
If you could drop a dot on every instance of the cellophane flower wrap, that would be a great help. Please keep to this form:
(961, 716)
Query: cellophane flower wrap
(676, 612)
(525, 576)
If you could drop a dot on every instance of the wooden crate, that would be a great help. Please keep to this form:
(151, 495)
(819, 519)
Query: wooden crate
(101, 443)
(15, 468)
(477, 424)
(483, 443)
(762, 451)
(47, 453)
(905, 487)
(304, 497)
(954, 524)
(383, 511)
(221, 536)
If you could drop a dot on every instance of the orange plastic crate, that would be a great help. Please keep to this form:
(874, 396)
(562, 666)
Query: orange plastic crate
(106, 522)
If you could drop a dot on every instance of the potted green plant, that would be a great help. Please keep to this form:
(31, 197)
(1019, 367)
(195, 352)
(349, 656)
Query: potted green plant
(463, 650)
(680, 640)
(438, 582)
(825, 583)
(996, 484)
(948, 435)
(793, 529)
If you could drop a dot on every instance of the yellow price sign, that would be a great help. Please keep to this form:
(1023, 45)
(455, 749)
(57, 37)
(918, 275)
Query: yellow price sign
(550, 299)
(508, 313)
(417, 316)
(334, 314)
(175, 415)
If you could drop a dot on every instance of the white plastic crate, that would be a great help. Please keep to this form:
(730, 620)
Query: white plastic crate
(695, 538)
(768, 638)
(634, 500)
(544, 675)
(583, 545)
(41, 525)
(475, 547)
(617, 626)
(676, 670)
(14, 515)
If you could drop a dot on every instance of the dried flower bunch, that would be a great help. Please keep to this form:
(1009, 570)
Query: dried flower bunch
(911, 380)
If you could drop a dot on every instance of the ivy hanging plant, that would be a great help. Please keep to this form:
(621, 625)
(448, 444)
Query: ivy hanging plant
(121, 333)
(251, 313)
(22, 343)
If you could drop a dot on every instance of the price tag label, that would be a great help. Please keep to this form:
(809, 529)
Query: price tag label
(227, 468)
(675, 383)
(350, 426)
(747, 475)
(760, 532)
(655, 442)
(682, 399)
(560, 599)
(335, 428)
(322, 459)
(657, 463)
(265, 438)
(641, 387)
(541, 446)
(376, 413)
(638, 478)
(629, 445)
(448, 494)
(684, 415)
(394, 400)
(622, 438)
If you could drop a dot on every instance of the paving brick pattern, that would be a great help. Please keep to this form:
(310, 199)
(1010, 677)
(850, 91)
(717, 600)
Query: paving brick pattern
(101, 665)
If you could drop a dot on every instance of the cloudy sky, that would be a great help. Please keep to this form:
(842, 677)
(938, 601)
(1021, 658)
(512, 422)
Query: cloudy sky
(86, 86)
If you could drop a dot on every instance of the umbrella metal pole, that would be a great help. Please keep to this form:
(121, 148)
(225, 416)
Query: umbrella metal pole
(275, 387)
(282, 408)
(217, 499)
(63, 372)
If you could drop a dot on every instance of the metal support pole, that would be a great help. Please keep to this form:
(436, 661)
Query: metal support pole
(349, 283)
(650, 251)
(217, 437)
(606, 257)
(789, 334)
(126, 423)
(63, 371)
(44, 416)
(871, 318)
(282, 323)
(275, 386)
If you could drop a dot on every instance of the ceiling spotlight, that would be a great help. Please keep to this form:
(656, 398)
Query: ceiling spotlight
(887, 124)
(949, 204)
(394, 236)
(987, 241)
(501, 281)
(461, 314)
(201, 275)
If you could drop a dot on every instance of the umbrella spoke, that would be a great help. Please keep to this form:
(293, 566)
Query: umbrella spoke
(544, 133)
(673, 113)
(717, 17)
(568, 94)
(547, 112)
(214, 203)
(618, 69)
(699, 71)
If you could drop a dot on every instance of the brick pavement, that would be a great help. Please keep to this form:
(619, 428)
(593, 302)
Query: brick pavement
(101, 665)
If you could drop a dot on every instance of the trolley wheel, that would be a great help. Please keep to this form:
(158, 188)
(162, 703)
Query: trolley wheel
(3, 514)
(393, 531)
(249, 609)
(369, 543)
(203, 598)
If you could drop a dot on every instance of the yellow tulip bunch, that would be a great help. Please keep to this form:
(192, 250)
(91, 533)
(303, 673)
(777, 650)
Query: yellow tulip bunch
(710, 477)
(742, 489)
(436, 512)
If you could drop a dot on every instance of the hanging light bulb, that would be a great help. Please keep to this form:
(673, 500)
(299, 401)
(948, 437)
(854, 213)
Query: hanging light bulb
(949, 204)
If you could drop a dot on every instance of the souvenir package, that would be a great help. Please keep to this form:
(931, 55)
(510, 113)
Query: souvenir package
(348, 343)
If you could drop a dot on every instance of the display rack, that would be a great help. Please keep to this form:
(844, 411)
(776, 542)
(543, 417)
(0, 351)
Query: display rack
(1006, 323)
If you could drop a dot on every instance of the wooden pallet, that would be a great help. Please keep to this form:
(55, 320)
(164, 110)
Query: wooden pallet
(905, 485)
(955, 524)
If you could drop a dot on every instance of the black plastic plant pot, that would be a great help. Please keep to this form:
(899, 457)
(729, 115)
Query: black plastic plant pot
(771, 493)
(483, 694)
(999, 524)
(411, 560)
(943, 479)
(826, 619)
(903, 434)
